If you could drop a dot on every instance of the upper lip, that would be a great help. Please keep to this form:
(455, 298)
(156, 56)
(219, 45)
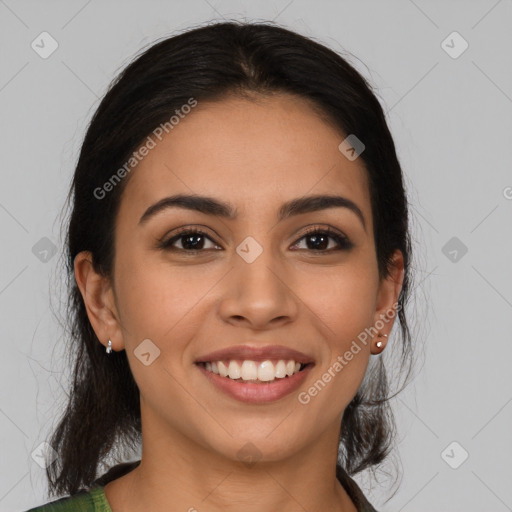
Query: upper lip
(248, 352)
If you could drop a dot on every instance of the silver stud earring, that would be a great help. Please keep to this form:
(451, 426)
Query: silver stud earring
(109, 348)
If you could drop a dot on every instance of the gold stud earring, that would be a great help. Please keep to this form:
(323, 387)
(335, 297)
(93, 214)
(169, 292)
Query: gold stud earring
(379, 343)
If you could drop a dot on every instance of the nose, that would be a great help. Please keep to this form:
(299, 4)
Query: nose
(259, 294)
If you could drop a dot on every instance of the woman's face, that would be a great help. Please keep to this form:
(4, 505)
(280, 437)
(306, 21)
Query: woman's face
(256, 279)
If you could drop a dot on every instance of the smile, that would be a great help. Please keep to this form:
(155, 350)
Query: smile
(255, 391)
(254, 371)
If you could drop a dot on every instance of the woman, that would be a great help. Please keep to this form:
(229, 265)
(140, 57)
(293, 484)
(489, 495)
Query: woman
(238, 250)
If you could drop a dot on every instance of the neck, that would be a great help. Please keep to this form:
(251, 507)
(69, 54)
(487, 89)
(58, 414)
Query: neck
(175, 471)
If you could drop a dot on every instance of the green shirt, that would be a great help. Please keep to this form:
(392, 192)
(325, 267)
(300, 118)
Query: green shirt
(92, 501)
(95, 500)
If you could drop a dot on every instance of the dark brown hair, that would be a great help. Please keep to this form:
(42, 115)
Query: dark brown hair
(209, 63)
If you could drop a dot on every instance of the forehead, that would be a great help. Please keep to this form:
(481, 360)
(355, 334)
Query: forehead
(253, 153)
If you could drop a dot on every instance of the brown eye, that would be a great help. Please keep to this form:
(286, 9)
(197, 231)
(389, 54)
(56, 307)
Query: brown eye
(190, 240)
(318, 240)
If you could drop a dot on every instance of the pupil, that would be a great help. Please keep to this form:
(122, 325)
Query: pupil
(319, 239)
(189, 240)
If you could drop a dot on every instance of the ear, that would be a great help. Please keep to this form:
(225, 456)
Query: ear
(387, 297)
(98, 297)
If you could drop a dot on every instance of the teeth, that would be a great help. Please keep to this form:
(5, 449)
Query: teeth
(249, 370)
(264, 371)
(223, 369)
(234, 370)
(280, 370)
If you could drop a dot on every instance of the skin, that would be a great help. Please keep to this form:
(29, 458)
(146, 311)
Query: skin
(255, 154)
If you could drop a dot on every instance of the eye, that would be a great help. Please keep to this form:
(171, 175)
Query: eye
(191, 239)
(317, 240)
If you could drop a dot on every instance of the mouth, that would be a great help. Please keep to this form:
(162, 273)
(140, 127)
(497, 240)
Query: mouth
(255, 374)
(254, 371)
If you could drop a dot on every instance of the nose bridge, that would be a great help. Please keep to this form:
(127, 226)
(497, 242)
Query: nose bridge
(257, 266)
(257, 289)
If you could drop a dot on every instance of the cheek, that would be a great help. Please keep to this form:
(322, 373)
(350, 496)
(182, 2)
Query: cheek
(345, 302)
(348, 311)
(158, 302)
(344, 298)
(156, 298)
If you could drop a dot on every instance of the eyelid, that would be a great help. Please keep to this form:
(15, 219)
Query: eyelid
(196, 228)
(324, 228)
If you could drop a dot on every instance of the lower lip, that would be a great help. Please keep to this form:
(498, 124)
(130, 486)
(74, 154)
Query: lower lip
(256, 393)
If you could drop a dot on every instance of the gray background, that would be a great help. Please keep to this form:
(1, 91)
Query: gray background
(451, 119)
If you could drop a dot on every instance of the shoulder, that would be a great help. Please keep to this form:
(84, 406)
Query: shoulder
(91, 501)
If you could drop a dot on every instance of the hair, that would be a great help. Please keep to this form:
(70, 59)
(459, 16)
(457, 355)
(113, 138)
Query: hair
(211, 63)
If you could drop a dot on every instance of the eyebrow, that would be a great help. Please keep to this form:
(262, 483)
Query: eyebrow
(212, 206)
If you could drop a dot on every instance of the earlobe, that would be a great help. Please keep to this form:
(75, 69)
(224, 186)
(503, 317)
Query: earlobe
(98, 298)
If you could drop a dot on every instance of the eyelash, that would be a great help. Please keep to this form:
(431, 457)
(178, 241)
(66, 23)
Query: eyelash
(344, 244)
